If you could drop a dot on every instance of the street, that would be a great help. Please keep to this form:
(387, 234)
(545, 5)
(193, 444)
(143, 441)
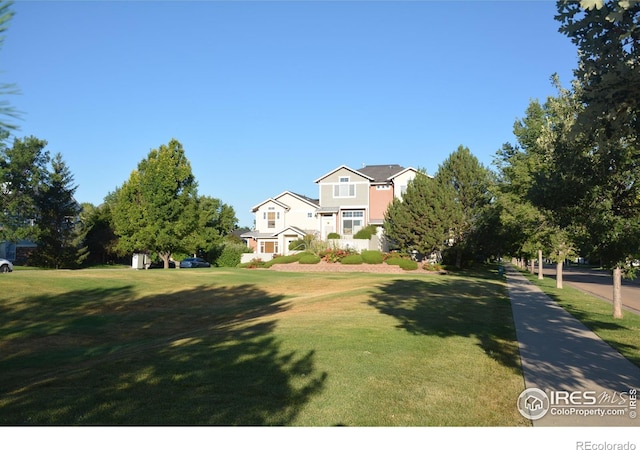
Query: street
(598, 283)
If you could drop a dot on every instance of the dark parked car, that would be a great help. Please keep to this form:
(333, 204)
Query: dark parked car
(193, 263)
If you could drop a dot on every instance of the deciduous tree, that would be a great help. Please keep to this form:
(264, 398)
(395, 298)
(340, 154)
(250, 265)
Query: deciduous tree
(156, 209)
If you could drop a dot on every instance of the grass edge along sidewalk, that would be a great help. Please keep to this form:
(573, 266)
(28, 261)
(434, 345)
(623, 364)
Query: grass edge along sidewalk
(239, 347)
(596, 314)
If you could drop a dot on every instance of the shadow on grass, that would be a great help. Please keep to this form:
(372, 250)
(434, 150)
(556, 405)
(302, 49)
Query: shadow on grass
(199, 356)
(469, 308)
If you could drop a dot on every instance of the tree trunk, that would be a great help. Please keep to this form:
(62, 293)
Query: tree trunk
(532, 268)
(540, 276)
(165, 258)
(559, 274)
(459, 258)
(617, 292)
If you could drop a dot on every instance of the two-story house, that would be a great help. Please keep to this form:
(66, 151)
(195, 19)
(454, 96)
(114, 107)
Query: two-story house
(348, 201)
(352, 199)
(281, 220)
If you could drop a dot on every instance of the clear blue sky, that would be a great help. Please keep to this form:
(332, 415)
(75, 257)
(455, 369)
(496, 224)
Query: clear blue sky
(268, 96)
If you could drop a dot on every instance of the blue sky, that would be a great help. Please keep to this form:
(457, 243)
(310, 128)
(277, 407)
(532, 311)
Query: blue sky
(267, 96)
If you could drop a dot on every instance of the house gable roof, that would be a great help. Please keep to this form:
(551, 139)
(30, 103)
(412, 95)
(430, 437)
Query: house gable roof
(296, 230)
(382, 172)
(343, 167)
(311, 201)
(408, 169)
(282, 205)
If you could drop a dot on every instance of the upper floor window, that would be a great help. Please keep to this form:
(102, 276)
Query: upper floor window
(271, 218)
(344, 188)
(383, 187)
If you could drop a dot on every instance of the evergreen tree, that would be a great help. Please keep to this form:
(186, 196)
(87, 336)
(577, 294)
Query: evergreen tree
(58, 218)
(422, 221)
(470, 182)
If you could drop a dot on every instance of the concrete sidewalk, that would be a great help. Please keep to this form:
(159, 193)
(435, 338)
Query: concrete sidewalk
(563, 358)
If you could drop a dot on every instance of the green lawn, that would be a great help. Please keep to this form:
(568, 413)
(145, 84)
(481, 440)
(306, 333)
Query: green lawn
(256, 347)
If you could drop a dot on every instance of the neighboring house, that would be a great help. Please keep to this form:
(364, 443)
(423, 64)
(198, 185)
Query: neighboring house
(348, 201)
(352, 199)
(281, 220)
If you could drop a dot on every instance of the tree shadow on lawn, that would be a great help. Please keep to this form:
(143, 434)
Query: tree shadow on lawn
(469, 308)
(198, 356)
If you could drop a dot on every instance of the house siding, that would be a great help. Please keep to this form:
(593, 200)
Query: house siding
(262, 217)
(327, 198)
(401, 181)
(379, 200)
(299, 212)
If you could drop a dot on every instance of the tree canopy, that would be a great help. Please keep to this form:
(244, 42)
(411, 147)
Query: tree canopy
(155, 210)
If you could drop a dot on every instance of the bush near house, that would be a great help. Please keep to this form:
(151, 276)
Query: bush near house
(366, 232)
(288, 259)
(372, 256)
(352, 259)
(231, 254)
(334, 255)
(309, 258)
(333, 236)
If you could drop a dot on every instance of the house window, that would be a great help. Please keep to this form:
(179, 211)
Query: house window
(352, 221)
(383, 187)
(268, 247)
(344, 188)
(309, 215)
(271, 219)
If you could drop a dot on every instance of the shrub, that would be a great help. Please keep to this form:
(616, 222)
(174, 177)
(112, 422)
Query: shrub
(366, 232)
(408, 264)
(333, 236)
(304, 243)
(352, 259)
(231, 254)
(334, 255)
(309, 258)
(371, 256)
(255, 263)
(282, 260)
(432, 267)
(395, 260)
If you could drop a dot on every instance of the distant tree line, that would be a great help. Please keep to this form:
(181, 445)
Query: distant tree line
(157, 211)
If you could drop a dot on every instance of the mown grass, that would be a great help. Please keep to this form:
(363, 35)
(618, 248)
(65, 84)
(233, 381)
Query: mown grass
(240, 347)
(597, 315)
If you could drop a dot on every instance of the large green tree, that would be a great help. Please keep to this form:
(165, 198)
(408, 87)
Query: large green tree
(23, 170)
(422, 221)
(470, 181)
(215, 221)
(607, 34)
(156, 209)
